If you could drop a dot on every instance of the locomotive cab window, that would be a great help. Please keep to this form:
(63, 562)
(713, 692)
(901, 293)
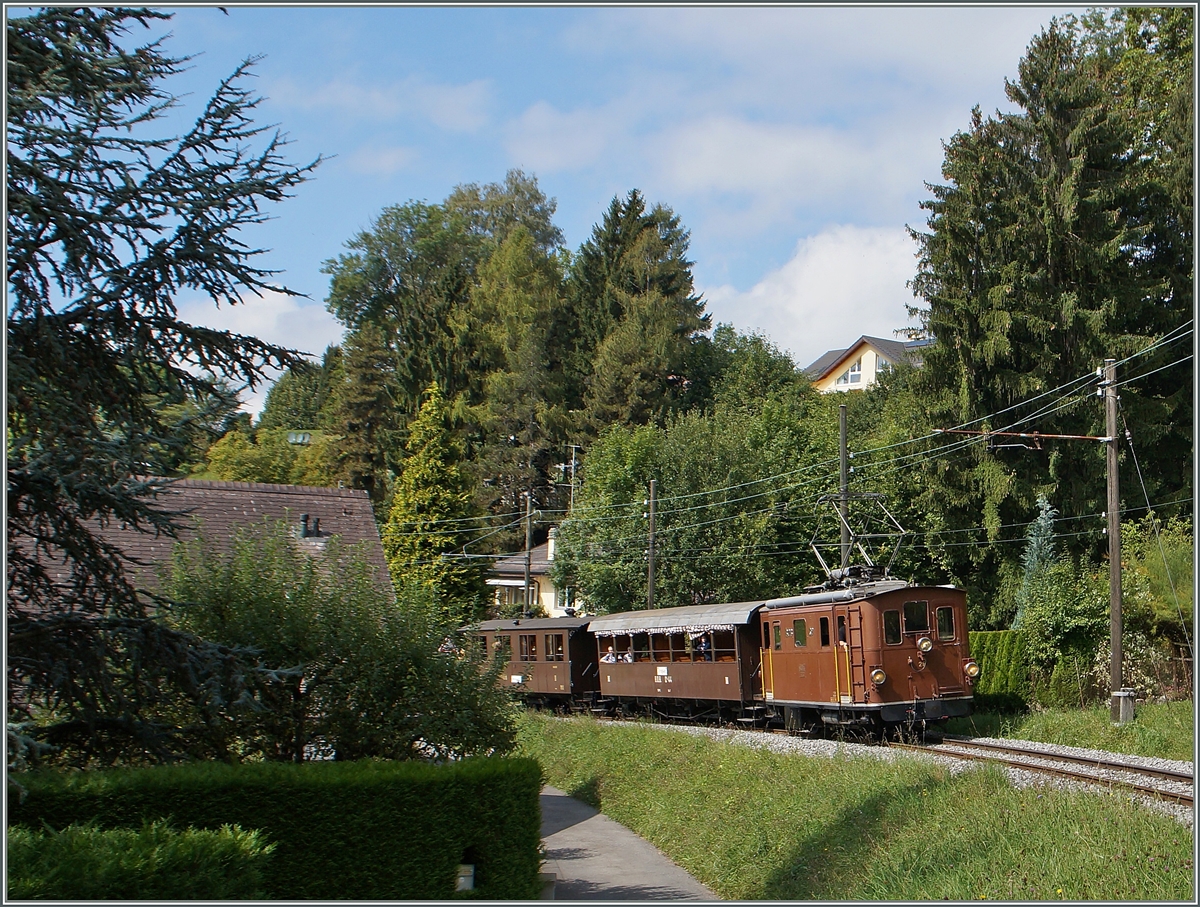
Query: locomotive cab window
(527, 647)
(891, 627)
(778, 634)
(766, 635)
(945, 623)
(800, 632)
(841, 628)
(916, 617)
(824, 632)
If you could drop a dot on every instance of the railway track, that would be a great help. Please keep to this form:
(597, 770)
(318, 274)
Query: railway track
(1164, 783)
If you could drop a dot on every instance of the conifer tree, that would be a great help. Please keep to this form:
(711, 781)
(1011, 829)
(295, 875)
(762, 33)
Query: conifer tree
(432, 517)
(632, 315)
(363, 413)
(106, 225)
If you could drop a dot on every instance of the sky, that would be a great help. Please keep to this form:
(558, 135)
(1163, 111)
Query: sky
(793, 142)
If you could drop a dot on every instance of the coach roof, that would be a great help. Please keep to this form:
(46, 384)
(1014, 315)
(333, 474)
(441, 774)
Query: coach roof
(690, 618)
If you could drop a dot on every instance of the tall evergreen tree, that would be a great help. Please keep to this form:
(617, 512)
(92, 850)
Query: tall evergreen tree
(363, 414)
(106, 224)
(632, 315)
(433, 518)
(1033, 272)
(523, 419)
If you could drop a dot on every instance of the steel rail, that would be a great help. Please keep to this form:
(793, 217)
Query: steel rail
(1171, 796)
(1166, 774)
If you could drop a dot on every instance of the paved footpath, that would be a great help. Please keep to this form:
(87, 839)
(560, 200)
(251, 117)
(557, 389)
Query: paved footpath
(594, 858)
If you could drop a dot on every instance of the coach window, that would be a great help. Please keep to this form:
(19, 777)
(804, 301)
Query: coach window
(503, 646)
(891, 627)
(660, 644)
(945, 623)
(724, 646)
(800, 632)
(916, 617)
(641, 647)
(554, 647)
(824, 632)
(527, 647)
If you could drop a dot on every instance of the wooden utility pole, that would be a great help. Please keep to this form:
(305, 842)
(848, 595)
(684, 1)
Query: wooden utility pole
(1114, 544)
(525, 611)
(1121, 703)
(844, 486)
(650, 572)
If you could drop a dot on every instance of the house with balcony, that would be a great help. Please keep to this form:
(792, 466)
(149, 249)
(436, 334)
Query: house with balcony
(859, 365)
(507, 582)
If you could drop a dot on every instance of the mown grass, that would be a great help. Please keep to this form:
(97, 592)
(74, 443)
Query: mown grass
(752, 824)
(1166, 730)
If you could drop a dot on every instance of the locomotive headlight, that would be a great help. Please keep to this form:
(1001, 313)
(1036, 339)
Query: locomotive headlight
(878, 677)
(924, 643)
(971, 669)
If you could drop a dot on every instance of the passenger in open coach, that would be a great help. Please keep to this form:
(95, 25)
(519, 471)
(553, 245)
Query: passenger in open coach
(608, 657)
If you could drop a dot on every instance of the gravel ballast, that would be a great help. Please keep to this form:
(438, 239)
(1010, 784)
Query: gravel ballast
(801, 746)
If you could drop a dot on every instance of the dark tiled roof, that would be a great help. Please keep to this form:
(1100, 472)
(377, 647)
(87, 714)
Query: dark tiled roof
(892, 350)
(514, 564)
(824, 364)
(216, 509)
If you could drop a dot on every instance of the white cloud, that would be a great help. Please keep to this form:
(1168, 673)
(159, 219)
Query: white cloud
(840, 284)
(546, 140)
(283, 320)
(462, 108)
(377, 161)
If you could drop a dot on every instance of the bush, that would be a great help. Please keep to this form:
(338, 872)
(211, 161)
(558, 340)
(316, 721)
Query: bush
(154, 862)
(345, 667)
(1003, 684)
(366, 830)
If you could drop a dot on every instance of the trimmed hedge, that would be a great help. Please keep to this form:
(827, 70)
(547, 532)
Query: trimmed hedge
(363, 830)
(1003, 684)
(153, 863)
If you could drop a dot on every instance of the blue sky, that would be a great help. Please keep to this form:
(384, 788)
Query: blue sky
(793, 142)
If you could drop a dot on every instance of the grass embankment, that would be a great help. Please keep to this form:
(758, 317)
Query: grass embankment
(1165, 730)
(752, 824)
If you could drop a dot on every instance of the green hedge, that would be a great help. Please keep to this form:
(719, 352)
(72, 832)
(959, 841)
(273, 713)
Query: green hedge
(356, 830)
(155, 863)
(1003, 684)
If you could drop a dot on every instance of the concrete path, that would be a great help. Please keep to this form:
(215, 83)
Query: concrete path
(594, 858)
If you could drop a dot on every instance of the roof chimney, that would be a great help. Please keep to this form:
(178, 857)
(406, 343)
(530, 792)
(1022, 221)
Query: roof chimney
(550, 543)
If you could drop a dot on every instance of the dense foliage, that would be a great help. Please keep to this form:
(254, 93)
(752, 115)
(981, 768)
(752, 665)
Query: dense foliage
(1061, 237)
(106, 224)
(370, 830)
(152, 863)
(344, 670)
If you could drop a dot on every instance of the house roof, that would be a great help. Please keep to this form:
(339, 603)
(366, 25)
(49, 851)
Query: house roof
(216, 509)
(892, 350)
(514, 564)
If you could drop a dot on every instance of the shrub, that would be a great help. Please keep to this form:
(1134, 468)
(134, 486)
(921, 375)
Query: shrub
(344, 666)
(1003, 684)
(367, 830)
(154, 862)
